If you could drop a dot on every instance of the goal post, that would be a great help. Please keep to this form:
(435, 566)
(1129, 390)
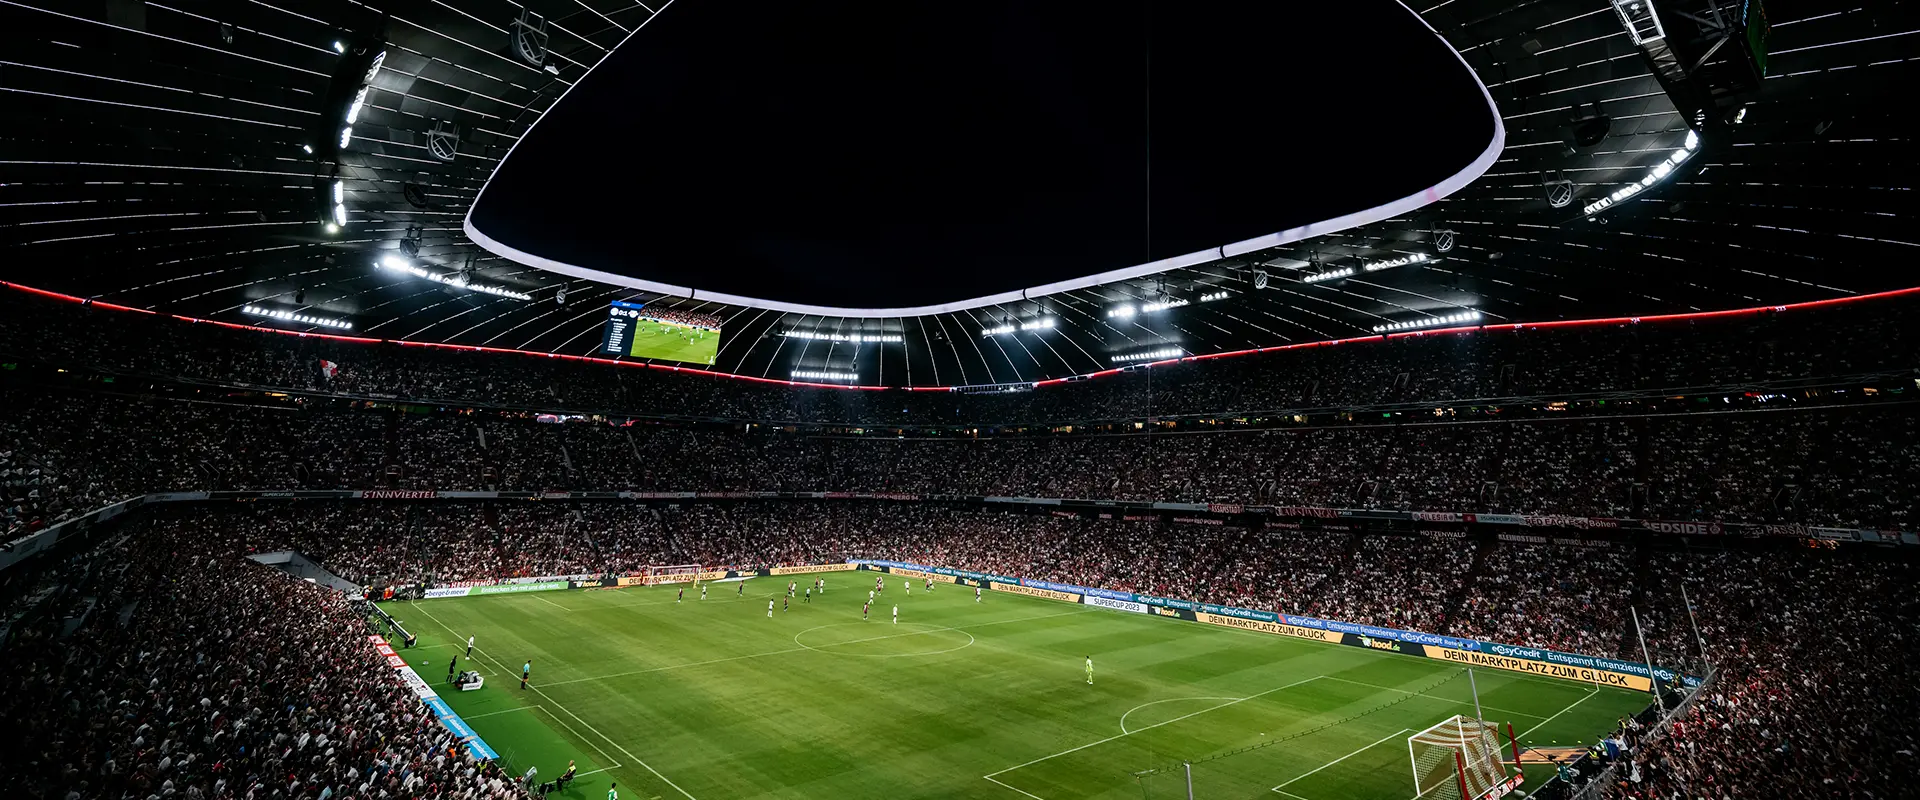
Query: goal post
(677, 573)
(1458, 759)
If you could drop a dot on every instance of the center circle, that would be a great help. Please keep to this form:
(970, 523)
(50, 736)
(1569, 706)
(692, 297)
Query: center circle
(878, 640)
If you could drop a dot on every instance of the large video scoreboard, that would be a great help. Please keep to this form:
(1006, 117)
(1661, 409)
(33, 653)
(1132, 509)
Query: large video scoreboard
(633, 330)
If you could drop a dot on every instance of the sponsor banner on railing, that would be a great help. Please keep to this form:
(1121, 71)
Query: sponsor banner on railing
(1686, 528)
(393, 494)
(923, 575)
(543, 586)
(815, 568)
(1243, 613)
(1069, 588)
(178, 497)
(1591, 669)
(1266, 626)
(958, 573)
(1168, 602)
(475, 746)
(1549, 669)
(1377, 632)
(1065, 597)
(447, 591)
(1117, 605)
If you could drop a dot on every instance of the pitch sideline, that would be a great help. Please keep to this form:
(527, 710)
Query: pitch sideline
(576, 717)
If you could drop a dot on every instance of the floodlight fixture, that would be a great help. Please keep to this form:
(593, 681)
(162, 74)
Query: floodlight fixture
(1160, 354)
(1455, 318)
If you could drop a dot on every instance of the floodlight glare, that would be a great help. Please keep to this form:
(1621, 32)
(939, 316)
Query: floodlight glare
(340, 214)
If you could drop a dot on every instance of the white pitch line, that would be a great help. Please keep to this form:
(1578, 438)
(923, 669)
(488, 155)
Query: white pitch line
(1433, 697)
(495, 713)
(1123, 717)
(1338, 760)
(989, 776)
(576, 717)
(804, 649)
(1543, 723)
(1022, 791)
(551, 603)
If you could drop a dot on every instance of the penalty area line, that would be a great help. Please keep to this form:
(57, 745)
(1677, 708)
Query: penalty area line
(1383, 740)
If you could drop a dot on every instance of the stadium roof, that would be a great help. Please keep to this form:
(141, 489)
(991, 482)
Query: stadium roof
(923, 158)
(156, 158)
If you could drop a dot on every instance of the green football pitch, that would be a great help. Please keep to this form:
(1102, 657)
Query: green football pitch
(712, 699)
(674, 344)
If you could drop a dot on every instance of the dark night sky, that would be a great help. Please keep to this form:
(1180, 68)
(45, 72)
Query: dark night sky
(867, 154)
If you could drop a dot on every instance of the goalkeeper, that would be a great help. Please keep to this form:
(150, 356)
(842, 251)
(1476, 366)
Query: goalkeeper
(1089, 670)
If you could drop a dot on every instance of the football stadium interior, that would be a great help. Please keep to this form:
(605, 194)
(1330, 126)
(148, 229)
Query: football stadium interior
(678, 399)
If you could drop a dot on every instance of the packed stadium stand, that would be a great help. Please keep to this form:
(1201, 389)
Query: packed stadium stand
(1595, 400)
(1762, 440)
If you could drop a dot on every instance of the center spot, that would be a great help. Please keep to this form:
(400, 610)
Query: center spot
(883, 639)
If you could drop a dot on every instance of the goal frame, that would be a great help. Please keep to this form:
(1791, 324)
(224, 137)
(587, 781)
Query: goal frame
(658, 574)
(1456, 734)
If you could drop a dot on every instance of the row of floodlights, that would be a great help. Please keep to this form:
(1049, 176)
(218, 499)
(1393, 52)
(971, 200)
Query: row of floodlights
(456, 281)
(1659, 171)
(1447, 319)
(295, 316)
(1161, 354)
(1127, 310)
(1376, 266)
(1035, 324)
(825, 375)
(858, 338)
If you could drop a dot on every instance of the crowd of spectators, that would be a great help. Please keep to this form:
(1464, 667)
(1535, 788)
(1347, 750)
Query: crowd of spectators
(1803, 706)
(199, 674)
(1838, 344)
(64, 453)
(1799, 638)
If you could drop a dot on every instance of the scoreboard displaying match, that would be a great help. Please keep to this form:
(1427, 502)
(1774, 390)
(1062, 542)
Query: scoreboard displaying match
(639, 332)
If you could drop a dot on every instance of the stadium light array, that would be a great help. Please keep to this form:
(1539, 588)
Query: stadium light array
(1328, 275)
(1212, 296)
(295, 316)
(1122, 311)
(1161, 354)
(1376, 266)
(1469, 315)
(1035, 324)
(1659, 171)
(399, 264)
(1162, 305)
(860, 338)
(825, 375)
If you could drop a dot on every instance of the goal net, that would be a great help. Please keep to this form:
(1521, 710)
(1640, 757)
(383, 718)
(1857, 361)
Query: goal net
(1458, 759)
(680, 573)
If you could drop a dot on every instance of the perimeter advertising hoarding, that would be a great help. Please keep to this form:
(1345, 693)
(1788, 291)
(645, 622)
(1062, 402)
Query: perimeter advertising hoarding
(1014, 588)
(1467, 652)
(816, 568)
(475, 746)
